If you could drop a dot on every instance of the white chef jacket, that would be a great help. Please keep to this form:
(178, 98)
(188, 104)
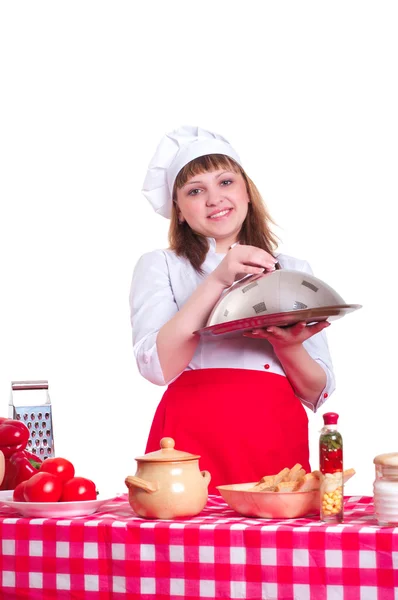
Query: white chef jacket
(163, 282)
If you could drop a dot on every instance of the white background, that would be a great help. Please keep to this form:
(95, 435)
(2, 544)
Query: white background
(307, 94)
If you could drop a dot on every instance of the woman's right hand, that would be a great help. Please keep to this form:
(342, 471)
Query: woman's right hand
(240, 261)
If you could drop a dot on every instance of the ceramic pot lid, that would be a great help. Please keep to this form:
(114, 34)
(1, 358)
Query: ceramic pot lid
(167, 453)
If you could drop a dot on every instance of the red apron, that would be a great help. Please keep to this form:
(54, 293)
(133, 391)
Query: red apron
(244, 424)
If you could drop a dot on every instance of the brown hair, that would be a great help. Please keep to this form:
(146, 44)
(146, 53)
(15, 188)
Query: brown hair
(255, 229)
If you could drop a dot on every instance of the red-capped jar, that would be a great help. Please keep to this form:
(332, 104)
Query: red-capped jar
(331, 468)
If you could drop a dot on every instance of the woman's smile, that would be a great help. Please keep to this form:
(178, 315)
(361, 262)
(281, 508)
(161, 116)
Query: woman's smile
(220, 214)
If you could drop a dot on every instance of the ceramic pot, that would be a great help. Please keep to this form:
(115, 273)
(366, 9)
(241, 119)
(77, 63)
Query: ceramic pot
(168, 484)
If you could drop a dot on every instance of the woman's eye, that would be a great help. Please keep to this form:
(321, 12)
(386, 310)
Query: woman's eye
(194, 192)
(226, 182)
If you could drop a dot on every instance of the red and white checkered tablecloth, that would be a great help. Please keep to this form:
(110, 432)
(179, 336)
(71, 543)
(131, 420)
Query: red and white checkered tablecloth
(114, 554)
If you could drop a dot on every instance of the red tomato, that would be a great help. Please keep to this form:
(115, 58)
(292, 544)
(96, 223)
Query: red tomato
(43, 487)
(58, 466)
(18, 495)
(78, 488)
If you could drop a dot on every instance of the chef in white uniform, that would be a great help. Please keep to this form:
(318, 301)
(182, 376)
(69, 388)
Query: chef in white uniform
(236, 402)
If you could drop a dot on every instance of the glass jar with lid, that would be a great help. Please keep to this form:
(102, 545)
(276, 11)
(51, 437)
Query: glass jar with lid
(385, 489)
(331, 468)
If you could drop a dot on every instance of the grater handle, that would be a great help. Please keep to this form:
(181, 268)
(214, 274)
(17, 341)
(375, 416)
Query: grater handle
(39, 384)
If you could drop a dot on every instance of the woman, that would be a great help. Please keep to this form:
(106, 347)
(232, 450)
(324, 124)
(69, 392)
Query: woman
(236, 402)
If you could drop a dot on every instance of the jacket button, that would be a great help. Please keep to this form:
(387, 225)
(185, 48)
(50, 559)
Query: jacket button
(266, 366)
(325, 395)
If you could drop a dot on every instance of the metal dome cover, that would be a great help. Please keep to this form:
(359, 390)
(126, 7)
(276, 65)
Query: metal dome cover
(282, 297)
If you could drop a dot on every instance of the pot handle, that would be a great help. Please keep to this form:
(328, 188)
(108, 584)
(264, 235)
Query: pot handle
(147, 486)
(2, 467)
(206, 476)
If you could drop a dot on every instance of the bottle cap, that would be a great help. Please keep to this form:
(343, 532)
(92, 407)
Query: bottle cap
(330, 418)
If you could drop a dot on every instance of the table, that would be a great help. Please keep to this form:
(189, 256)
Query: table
(114, 554)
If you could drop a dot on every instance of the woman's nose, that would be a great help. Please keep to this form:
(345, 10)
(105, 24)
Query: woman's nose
(214, 197)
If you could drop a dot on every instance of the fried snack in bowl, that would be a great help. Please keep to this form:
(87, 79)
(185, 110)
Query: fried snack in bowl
(289, 494)
(269, 505)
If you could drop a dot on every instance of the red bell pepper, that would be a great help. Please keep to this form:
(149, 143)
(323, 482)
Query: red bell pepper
(14, 436)
(20, 467)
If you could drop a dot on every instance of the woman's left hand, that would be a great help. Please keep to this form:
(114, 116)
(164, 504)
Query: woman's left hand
(283, 337)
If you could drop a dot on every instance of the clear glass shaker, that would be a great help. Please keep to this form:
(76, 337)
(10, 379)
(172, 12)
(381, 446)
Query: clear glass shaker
(385, 489)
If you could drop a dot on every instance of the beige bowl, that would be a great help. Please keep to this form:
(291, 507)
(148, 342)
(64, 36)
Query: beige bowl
(269, 505)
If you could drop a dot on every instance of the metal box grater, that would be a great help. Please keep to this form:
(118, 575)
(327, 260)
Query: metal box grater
(30, 403)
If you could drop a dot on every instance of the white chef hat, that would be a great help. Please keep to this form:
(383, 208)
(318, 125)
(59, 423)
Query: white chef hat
(176, 150)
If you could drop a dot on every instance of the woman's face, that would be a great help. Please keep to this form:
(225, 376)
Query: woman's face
(214, 204)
